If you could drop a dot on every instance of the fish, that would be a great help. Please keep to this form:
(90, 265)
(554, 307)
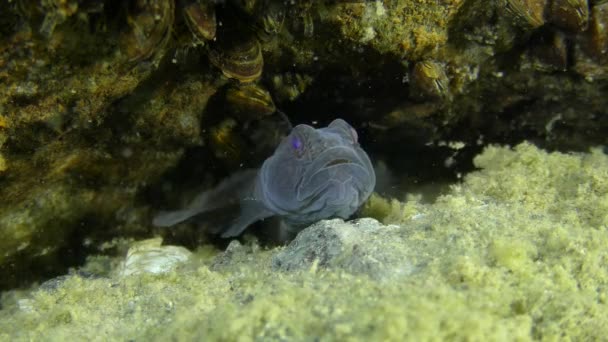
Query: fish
(314, 174)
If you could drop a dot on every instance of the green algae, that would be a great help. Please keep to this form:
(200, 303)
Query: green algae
(412, 29)
(70, 91)
(515, 252)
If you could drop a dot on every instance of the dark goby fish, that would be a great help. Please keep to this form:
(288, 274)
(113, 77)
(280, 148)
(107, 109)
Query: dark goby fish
(314, 174)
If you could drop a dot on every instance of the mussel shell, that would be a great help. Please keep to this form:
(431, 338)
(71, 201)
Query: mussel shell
(598, 31)
(572, 15)
(250, 100)
(264, 17)
(238, 57)
(271, 16)
(429, 80)
(526, 13)
(150, 23)
(289, 86)
(200, 18)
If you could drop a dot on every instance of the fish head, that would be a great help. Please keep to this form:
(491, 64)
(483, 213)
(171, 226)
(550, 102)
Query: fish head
(316, 174)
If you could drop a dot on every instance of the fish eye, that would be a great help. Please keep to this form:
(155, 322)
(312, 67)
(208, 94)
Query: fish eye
(297, 146)
(296, 143)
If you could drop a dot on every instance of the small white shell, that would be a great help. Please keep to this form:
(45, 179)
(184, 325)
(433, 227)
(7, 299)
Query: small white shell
(148, 256)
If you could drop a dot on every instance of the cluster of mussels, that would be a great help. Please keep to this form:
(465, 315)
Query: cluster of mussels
(563, 35)
(575, 33)
(231, 35)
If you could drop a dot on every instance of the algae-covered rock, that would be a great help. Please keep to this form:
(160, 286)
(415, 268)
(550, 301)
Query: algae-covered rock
(491, 264)
(51, 207)
(3, 165)
(404, 28)
(81, 132)
(360, 247)
(110, 110)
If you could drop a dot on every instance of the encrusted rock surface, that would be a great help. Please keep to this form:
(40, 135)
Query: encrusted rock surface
(363, 246)
(515, 252)
(111, 110)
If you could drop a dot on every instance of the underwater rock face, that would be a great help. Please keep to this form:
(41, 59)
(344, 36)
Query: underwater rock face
(358, 247)
(107, 105)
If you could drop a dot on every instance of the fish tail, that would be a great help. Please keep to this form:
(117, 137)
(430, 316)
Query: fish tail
(227, 209)
(170, 218)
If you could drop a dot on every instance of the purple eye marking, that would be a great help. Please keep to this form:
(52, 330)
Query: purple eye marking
(296, 143)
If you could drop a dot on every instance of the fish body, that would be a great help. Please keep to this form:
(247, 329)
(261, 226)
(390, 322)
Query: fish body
(313, 174)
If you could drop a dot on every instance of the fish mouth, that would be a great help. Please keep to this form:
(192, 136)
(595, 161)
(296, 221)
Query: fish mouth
(334, 157)
(338, 162)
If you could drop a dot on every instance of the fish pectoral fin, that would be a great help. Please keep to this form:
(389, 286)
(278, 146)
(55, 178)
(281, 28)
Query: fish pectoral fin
(251, 211)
